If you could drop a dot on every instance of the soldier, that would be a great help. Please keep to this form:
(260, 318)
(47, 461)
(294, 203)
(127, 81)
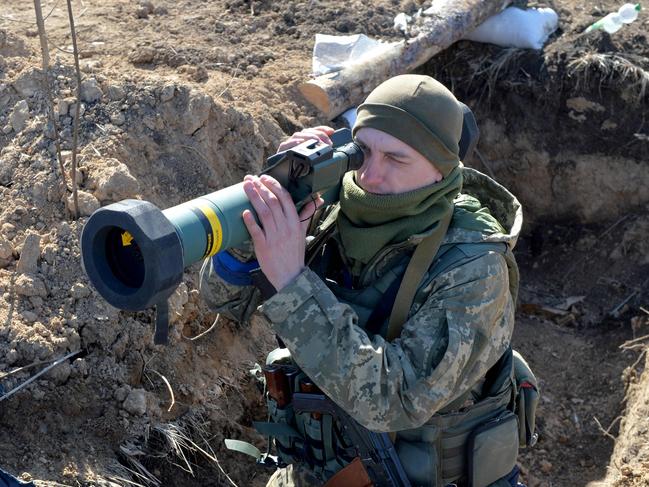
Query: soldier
(434, 371)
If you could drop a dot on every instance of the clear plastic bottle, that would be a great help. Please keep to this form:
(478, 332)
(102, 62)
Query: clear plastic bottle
(629, 12)
(614, 21)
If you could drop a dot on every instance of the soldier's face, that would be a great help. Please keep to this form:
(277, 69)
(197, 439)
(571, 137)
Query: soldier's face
(392, 166)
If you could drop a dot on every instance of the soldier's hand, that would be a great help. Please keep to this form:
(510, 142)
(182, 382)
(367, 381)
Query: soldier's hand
(321, 133)
(279, 238)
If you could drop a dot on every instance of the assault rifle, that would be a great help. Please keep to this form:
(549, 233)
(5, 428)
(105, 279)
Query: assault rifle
(375, 450)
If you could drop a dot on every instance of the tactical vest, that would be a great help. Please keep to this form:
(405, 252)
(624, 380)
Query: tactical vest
(474, 445)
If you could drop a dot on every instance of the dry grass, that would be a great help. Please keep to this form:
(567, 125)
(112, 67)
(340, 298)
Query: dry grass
(612, 68)
(181, 444)
(497, 68)
(485, 72)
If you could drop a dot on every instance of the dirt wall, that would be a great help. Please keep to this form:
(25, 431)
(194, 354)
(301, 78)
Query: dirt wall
(563, 128)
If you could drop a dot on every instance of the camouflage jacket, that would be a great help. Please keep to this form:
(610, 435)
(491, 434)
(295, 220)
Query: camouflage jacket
(447, 344)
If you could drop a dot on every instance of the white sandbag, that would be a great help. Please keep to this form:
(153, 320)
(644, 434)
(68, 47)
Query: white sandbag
(513, 27)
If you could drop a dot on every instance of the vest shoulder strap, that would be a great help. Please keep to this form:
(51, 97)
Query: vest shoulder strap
(431, 266)
(419, 263)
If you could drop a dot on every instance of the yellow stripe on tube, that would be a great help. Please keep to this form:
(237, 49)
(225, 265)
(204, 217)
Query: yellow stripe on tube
(215, 239)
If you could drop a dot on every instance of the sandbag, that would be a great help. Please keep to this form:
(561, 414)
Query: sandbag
(513, 27)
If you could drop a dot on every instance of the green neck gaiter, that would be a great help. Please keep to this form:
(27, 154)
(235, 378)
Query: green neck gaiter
(368, 222)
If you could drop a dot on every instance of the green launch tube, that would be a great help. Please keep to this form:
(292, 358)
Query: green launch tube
(134, 253)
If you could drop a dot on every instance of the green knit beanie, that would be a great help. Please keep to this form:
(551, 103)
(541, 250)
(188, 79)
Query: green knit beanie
(419, 111)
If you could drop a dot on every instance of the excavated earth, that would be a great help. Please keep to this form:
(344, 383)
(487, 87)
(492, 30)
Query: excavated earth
(184, 98)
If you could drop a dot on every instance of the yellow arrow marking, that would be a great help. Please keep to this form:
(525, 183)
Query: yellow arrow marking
(127, 238)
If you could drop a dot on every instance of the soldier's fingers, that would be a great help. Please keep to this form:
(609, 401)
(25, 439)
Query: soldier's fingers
(326, 129)
(296, 139)
(271, 200)
(260, 206)
(283, 196)
(255, 231)
(320, 133)
(323, 135)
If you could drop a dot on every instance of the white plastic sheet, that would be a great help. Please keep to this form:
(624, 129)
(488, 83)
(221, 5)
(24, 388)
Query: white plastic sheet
(333, 53)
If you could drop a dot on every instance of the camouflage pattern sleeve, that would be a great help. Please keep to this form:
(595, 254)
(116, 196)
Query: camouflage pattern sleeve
(235, 302)
(445, 347)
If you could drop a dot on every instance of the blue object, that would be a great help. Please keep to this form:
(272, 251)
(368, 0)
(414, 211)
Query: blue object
(512, 478)
(8, 480)
(232, 270)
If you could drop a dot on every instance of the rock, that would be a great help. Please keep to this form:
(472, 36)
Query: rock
(70, 101)
(49, 253)
(64, 229)
(87, 203)
(91, 65)
(142, 55)
(121, 393)
(167, 93)
(12, 356)
(9, 230)
(200, 74)
(90, 91)
(79, 290)
(29, 316)
(27, 285)
(117, 118)
(197, 112)
(6, 252)
(135, 402)
(28, 83)
(73, 111)
(19, 115)
(115, 182)
(144, 9)
(115, 93)
(28, 263)
(7, 129)
(37, 302)
(142, 12)
(62, 107)
(60, 373)
(6, 171)
(80, 366)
